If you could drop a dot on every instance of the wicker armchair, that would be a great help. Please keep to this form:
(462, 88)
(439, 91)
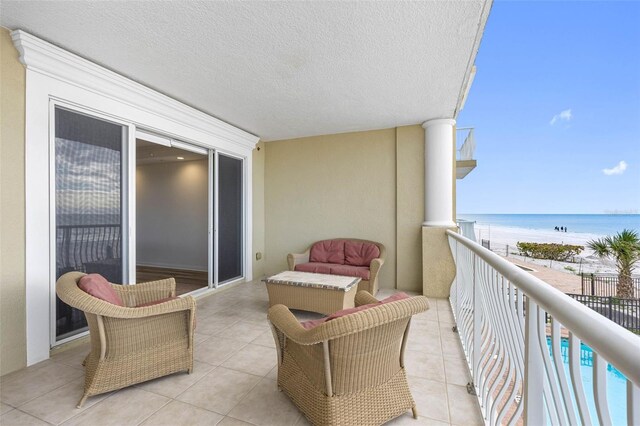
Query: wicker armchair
(131, 345)
(350, 370)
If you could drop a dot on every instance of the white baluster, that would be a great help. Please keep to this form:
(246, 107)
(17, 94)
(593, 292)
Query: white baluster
(533, 369)
(600, 389)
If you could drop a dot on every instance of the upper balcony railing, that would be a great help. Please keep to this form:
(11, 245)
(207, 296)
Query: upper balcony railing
(525, 346)
(468, 148)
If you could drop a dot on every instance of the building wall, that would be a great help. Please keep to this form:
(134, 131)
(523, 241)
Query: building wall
(13, 351)
(366, 185)
(172, 214)
(410, 206)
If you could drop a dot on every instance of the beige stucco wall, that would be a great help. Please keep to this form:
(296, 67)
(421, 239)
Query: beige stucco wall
(410, 206)
(13, 353)
(258, 209)
(366, 185)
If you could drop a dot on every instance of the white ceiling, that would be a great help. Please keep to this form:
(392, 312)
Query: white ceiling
(278, 69)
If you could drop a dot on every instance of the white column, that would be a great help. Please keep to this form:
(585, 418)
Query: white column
(438, 172)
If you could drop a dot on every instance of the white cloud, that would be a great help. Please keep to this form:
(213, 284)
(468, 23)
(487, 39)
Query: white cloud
(564, 116)
(616, 170)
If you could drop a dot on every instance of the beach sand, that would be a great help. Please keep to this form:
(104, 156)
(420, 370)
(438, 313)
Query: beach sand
(500, 237)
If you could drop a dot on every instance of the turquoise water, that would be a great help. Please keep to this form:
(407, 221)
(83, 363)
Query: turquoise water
(616, 384)
(601, 224)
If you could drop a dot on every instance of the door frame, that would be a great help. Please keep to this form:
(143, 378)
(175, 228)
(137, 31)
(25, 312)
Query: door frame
(54, 73)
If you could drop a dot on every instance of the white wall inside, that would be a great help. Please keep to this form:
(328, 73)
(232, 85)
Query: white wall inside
(171, 202)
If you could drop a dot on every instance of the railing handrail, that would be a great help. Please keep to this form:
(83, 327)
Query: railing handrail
(618, 346)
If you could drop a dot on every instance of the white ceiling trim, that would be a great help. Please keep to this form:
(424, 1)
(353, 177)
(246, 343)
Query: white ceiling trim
(45, 58)
(471, 68)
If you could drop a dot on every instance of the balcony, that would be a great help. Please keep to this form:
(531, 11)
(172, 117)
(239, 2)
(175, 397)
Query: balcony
(512, 331)
(234, 378)
(465, 161)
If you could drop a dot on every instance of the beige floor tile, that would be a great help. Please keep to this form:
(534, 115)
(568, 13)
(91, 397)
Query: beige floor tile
(18, 418)
(443, 305)
(216, 350)
(425, 365)
(456, 371)
(233, 331)
(4, 408)
(451, 347)
(35, 383)
(214, 324)
(173, 385)
(72, 357)
(220, 390)
(177, 412)
(24, 371)
(60, 404)
(273, 374)
(430, 397)
(267, 406)
(244, 331)
(253, 359)
(265, 339)
(463, 408)
(126, 407)
(199, 338)
(446, 317)
(408, 420)
(430, 314)
(303, 421)
(428, 344)
(230, 421)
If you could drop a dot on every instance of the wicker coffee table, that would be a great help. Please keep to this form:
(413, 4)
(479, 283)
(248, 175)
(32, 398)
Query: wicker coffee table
(308, 291)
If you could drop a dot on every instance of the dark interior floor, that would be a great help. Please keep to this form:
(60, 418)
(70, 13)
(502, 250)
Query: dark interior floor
(186, 280)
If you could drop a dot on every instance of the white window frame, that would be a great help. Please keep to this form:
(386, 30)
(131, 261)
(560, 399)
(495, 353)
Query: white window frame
(54, 73)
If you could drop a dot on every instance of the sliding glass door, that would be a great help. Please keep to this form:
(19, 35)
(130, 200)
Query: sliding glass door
(230, 218)
(186, 194)
(89, 205)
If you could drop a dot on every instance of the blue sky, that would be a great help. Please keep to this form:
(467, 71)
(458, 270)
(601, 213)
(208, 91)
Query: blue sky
(555, 102)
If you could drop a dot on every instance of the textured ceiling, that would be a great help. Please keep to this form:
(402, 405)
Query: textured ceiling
(278, 69)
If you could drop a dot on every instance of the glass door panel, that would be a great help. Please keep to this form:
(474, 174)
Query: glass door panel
(230, 218)
(89, 204)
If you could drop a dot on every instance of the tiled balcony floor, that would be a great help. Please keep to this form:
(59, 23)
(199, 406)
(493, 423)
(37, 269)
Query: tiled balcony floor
(234, 378)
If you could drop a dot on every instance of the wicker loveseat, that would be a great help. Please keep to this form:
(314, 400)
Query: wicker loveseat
(132, 344)
(350, 370)
(343, 256)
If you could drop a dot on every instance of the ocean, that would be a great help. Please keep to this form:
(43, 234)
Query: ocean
(598, 224)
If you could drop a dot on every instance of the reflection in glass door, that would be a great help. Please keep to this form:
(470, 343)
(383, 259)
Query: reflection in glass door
(230, 218)
(89, 205)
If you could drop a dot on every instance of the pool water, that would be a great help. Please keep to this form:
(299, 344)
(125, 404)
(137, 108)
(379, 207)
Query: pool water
(616, 383)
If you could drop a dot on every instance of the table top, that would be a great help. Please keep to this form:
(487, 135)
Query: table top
(309, 279)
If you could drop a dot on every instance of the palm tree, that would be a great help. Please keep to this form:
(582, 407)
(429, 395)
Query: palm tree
(624, 248)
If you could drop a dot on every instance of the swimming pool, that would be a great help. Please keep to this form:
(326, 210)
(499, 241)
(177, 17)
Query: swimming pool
(616, 383)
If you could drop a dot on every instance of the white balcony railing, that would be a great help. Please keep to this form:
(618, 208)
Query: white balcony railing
(513, 327)
(468, 148)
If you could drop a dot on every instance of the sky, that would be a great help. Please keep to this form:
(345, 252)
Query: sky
(556, 109)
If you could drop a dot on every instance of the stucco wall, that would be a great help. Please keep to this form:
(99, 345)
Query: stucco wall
(410, 206)
(365, 185)
(172, 214)
(13, 353)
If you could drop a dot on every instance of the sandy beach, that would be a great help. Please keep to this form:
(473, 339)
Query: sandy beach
(502, 236)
